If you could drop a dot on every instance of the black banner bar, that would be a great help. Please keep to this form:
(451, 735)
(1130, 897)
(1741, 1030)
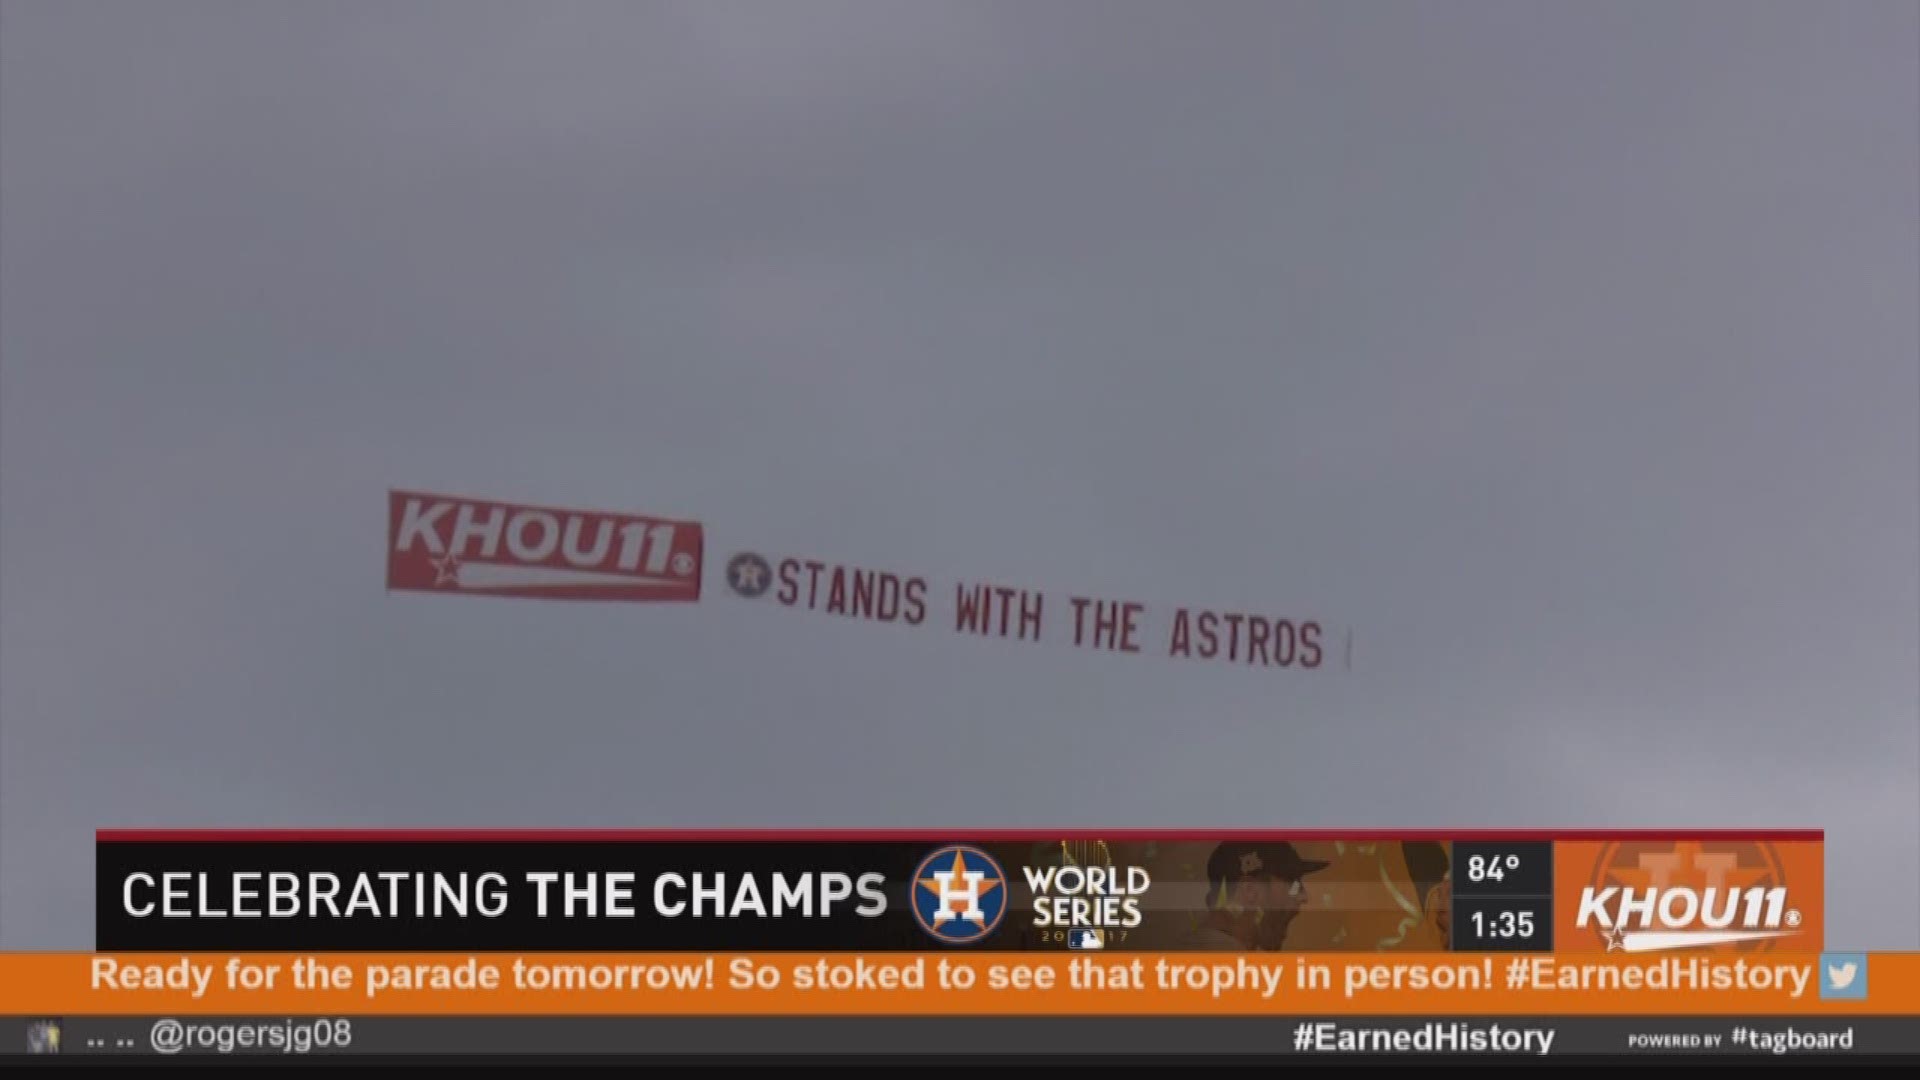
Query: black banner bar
(707, 895)
(1190, 1040)
(520, 896)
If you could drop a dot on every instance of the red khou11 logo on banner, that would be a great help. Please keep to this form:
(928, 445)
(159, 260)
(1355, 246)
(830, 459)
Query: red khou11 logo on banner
(450, 544)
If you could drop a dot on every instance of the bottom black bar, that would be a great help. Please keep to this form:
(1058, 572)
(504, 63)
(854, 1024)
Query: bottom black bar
(207, 1040)
(895, 1061)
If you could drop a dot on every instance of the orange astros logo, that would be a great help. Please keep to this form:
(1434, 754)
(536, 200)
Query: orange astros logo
(1653, 896)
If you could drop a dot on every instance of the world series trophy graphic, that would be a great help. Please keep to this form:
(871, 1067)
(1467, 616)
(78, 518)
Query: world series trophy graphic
(1086, 854)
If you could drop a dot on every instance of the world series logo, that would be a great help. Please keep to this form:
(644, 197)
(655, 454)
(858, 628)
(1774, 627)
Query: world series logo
(959, 895)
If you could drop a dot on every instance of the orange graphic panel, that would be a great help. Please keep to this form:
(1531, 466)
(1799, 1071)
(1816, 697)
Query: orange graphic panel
(1653, 896)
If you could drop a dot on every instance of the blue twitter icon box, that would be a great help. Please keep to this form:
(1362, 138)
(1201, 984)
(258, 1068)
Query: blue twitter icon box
(1843, 976)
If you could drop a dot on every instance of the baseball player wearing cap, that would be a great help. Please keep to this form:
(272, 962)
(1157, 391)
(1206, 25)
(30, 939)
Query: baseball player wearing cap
(1253, 892)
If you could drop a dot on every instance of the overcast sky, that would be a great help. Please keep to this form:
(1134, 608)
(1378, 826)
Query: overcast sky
(1565, 354)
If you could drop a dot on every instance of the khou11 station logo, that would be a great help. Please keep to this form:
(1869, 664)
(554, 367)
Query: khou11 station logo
(1738, 896)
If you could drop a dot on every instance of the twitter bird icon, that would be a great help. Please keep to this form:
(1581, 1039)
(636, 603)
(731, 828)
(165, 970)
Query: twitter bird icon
(1843, 977)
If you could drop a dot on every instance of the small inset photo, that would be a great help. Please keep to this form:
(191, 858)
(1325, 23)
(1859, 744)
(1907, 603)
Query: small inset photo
(43, 1036)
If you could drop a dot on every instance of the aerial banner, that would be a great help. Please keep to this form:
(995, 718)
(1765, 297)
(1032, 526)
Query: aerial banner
(1293, 641)
(452, 544)
(457, 544)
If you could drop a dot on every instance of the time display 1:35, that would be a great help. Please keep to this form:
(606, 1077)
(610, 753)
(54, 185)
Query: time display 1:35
(1503, 924)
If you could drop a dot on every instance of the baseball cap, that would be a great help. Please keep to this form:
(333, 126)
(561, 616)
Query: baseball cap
(1233, 861)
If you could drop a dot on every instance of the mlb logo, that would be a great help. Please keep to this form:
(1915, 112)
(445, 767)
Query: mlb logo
(1082, 937)
(1843, 977)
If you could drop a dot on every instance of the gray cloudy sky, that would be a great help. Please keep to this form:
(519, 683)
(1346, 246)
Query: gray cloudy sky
(1566, 353)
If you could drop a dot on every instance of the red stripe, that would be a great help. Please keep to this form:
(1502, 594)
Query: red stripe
(551, 836)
